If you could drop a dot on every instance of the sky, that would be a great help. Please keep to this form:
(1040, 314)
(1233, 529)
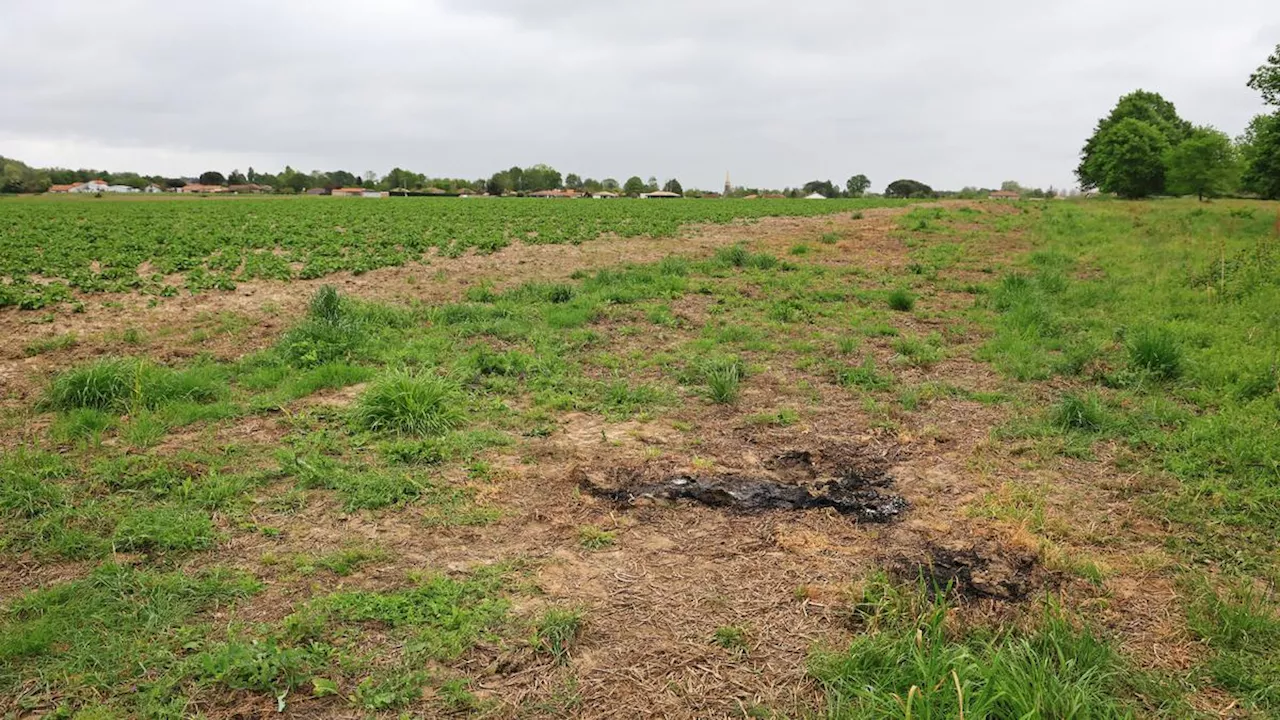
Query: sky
(776, 94)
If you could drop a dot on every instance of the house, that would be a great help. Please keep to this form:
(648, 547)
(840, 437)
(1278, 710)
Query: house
(553, 194)
(374, 194)
(64, 188)
(200, 188)
(604, 195)
(248, 189)
(318, 191)
(122, 189)
(1005, 195)
(153, 188)
(347, 192)
(659, 195)
(93, 186)
(815, 196)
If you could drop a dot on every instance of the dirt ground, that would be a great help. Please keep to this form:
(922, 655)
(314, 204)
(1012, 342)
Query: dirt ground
(678, 570)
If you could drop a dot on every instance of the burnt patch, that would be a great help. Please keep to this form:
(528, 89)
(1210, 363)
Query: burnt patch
(792, 481)
(982, 570)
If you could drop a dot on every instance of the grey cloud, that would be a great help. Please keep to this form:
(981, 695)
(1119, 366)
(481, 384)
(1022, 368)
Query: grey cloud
(949, 93)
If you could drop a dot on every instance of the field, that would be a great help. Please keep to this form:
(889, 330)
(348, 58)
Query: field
(337, 458)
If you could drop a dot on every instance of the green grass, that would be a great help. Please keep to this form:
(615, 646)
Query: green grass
(724, 379)
(408, 403)
(120, 385)
(731, 637)
(594, 538)
(901, 299)
(556, 630)
(906, 662)
(864, 376)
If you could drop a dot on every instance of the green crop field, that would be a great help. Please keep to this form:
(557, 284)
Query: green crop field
(1067, 412)
(100, 244)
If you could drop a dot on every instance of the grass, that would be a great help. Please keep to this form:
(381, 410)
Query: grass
(556, 631)
(124, 384)
(594, 538)
(901, 299)
(731, 637)
(724, 379)
(907, 663)
(407, 403)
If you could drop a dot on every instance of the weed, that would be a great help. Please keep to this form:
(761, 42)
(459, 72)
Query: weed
(731, 637)
(594, 538)
(863, 376)
(556, 630)
(829, 238)
(1085, 413)
(724, 377)
(161, 529)
(50, 344)
(411, 404)
(1157, 351)
(901, 299)
(784, 417)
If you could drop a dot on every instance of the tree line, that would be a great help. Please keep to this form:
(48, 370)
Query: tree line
(1143, 148)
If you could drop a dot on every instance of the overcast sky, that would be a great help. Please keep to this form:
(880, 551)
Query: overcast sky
(945, 92)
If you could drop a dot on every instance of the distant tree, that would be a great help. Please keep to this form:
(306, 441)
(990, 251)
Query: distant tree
(611, 185)
(515, 179)
(1259, 148)
(634, 186)
(908, 189)
(857, 185)
(592, 185)
(1147, 107)
(338, 178)
(212, 177)
(236, 178)
(251, 175)
(540, 177)
(822, 187)
(295, 181)
(18, 177)
(673, 186)
(175, 183)
(1204, 165)
(652, 185)
(1011, 186)
(572, 181)
(1266, 79)
(401, 178)
(1129, 157)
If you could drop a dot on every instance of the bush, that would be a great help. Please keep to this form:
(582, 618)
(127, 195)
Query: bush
(902, 300)
(411, 404)
(724, 376)
(1157, 351)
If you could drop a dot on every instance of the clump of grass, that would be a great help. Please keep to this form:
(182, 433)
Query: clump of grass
(121, 384)
(901, 299)
(799, 249)
(1084, 413)
(829, 238)
(49, 344)
(406, 403)
(594, 538)
(329, 333)
(848, 344)
(161, 529)
(857, 215)
(1157, 351)
(863, 376)
(909, 663)
(784, 417)
(731, 637)
(918, 352)
(724, 379)
(556, 631)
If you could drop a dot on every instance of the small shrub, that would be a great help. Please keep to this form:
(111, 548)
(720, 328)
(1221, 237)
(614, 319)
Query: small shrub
(857, 215)
(1157, 351)
(901, 300)
(829, 238)
(863, 376)
(262, 666)
(848, 345)
(594, 538)
(799, 249)
(411, 404)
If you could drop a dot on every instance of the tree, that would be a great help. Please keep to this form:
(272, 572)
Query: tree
(236, 178)
(592, 185)
(572, 181)
(857, 185)
(1205, 164)
(1011, 186)
(212, 177)
(652, 185)
(611, 185)
(822, 187)
(673, 186)
(540, 177)
(1260, 153)
(1147, 107)
(1266, 79)
(908, 189)
(633, 186)
(1129, 159)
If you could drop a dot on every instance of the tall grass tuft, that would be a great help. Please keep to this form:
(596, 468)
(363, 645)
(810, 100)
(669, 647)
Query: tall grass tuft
(901, 299)
(120, 384)
(1157, 351)
(724, 379)
(411, 404)
(1084, 413)
(329, 333)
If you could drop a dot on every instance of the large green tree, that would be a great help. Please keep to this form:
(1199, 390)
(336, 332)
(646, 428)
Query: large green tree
(1260, 156)
(1129, 159)
(633, 186)
(1204, 165)
(857, 185)
(1266, 79)
(908, 189)
(212, 177)
(1147, 107)
(673, 185)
